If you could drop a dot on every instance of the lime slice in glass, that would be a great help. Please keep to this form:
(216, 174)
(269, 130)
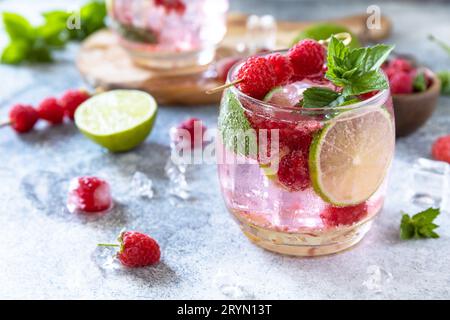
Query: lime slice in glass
(350, 157)
(118, 120)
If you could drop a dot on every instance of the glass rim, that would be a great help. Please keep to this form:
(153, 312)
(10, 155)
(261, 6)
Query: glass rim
(381, 94)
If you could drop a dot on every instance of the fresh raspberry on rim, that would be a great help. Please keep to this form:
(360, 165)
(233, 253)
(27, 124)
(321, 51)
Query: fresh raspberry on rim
(23, 118)
(441, 149)
(257, 77)
(307, 58)
(282, 67)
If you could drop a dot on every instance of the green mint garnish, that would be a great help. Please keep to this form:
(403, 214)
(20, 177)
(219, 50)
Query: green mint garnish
(355, 70)
(420, 226)
(445, 82)
(36, 43)
(420, 82)
(234, 127)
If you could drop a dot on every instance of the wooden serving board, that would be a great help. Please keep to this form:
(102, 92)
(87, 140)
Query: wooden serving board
(103, 63)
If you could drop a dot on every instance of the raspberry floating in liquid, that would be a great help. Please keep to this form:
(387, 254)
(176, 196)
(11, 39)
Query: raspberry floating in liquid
(344, 216)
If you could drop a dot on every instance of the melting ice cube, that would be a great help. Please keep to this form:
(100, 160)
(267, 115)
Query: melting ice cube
(377, 279)
(431, 180)
(142, 186)
(178, 186)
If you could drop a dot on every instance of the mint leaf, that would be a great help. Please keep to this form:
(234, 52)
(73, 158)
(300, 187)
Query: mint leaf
(17, 27)
(420, 83)
(444, 76)
(319, 97)
(15, 52)
(35, 44)
(366, 82)
(356, 70)
(236, 131)
(419, 226)
(375, 56)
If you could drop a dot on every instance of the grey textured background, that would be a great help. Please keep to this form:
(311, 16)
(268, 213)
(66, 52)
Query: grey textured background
(48, 253)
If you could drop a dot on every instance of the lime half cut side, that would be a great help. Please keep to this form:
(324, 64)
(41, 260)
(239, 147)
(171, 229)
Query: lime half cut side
(350, 157)
(118, 120)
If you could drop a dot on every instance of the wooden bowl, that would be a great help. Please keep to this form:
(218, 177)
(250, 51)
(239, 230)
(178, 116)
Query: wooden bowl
(413, 110)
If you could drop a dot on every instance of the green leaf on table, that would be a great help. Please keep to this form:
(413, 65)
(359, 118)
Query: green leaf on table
(444, 76)
(419, 226)
(17, 27)
(15, 52)
(420, 82)
(35, 44)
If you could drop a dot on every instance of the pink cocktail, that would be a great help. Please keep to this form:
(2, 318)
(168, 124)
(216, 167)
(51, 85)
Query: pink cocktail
(321, 176)
(166, 34)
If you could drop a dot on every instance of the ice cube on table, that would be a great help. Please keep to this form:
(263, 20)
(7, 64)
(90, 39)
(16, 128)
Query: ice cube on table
(142, 186)
(431, 180)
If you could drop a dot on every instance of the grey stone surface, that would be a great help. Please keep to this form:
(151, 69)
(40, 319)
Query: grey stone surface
(47, 252)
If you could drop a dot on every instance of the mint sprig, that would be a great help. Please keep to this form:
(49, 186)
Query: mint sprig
(37, 43)
(419, 226)
(355, 70)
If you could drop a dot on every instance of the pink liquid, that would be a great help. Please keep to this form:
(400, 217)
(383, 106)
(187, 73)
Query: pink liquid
(199, 24)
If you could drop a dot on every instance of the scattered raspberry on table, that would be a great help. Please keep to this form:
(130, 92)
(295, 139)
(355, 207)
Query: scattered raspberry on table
(89, 195)
(23, 118)
(441, 149)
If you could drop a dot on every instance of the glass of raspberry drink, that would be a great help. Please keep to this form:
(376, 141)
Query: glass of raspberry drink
(303, 161)
(167, 34)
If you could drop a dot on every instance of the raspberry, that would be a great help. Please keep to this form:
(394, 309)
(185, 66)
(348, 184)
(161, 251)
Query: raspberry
(89, 194)
(293, 171)
(282, 67)
(172, 5)
(307, 58)
(223, 67)
(338, 216)
(50, 110)
(191, 125)
(441, 149)
(368, 95)
(258, 77)
(138, 250)
(23, 118)
(400, 64)
(71, 100)
(402, 82)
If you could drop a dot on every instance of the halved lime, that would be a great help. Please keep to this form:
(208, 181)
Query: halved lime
(118, 120)
(350, 157)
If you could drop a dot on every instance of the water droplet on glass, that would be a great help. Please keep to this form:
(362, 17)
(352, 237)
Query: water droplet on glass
(377, 279)
(142, 186)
